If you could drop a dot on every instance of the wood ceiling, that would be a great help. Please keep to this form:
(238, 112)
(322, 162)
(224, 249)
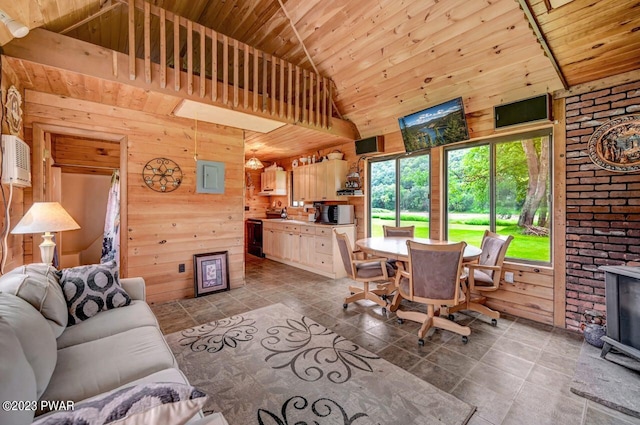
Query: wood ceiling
(389, 58)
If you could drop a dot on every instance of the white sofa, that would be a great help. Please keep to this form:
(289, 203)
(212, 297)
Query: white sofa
(43, 359)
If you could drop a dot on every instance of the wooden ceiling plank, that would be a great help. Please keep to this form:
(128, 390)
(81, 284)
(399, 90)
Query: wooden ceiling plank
(397, 33)
(501, 88)
(108, 92)
(443, 59)
(506, 88)
(388, 25)
(224, 12)
(594, 74)
(502, 66)
(589, 38)
(578, 10)
(92, 89)
(617, 14)
(536, 84)
(106, 7)
(59, 84)
(445, 31)
(257, 16)
(587, 70)
(17, 69)
(619, 50)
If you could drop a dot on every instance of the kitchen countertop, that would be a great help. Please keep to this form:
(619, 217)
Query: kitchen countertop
(302, 222)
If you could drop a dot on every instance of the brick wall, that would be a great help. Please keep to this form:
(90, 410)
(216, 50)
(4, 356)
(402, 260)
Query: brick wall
(603, 207)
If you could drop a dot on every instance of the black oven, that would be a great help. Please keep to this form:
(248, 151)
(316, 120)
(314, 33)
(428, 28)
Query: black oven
(254, 237)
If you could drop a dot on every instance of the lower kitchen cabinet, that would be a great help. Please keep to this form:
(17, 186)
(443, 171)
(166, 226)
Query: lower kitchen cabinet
(308, 246)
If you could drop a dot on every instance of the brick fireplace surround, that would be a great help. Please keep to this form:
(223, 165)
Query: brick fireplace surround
(603, 207)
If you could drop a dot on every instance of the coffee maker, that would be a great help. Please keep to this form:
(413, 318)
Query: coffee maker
(317, 207)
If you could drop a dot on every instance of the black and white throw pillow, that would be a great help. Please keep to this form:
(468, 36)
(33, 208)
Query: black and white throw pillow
(91, 289)
(153, 403)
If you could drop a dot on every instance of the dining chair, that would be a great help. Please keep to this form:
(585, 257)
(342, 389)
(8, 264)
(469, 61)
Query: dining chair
(433, 277)
(366, 270)
(403, 231)
(485, 275)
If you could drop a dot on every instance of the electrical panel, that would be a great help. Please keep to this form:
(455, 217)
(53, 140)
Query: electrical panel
(16, 161)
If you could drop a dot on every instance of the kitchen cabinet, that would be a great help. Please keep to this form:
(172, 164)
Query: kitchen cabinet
(273, 182)
(272, 241)
(308, 246)
(319, 181)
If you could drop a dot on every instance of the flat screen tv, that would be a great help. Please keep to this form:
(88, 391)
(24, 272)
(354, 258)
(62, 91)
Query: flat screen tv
(438, 125)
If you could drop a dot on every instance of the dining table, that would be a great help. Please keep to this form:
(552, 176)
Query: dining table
(395, 247)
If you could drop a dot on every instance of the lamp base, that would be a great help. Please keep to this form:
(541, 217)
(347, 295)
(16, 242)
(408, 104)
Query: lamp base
(47, 247)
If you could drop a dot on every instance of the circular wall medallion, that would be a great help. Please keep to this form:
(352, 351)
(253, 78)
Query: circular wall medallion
(162, 175)
(615, 145)
(14, 110)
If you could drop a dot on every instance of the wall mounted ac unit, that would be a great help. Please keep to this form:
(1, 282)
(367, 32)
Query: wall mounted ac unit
(16, 161)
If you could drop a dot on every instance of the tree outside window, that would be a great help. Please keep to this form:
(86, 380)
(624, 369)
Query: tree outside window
(504, 186)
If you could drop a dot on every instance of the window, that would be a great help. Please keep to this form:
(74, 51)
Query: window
(399, 193)
(504, 186)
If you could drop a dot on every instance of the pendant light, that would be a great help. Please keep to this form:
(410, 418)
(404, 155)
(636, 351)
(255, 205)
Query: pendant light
(253, 163)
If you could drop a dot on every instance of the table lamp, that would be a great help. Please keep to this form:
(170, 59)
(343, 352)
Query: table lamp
(46, 217)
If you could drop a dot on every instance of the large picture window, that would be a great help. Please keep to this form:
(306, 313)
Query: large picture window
(503, 185)
(399, 193)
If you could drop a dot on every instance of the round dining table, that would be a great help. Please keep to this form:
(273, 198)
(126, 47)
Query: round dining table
(395, 247)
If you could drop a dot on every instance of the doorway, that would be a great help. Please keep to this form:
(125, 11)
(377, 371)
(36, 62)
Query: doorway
(83, 169)
(76, 171)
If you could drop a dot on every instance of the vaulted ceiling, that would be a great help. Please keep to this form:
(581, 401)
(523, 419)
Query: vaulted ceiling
(389, 58)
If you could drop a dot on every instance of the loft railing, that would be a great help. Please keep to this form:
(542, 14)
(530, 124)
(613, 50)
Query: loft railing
(224, 69)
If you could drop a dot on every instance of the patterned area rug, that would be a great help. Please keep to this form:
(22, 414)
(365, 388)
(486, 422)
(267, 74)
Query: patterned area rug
(272, 366)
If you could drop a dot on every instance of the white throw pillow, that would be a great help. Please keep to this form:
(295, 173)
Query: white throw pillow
(38, 285)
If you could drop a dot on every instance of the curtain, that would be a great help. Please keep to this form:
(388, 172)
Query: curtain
(111, 242)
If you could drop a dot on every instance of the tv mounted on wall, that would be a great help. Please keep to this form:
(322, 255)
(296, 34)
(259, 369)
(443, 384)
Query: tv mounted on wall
(438, 125)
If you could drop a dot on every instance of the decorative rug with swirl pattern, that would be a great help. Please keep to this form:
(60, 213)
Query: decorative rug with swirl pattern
(273, 366)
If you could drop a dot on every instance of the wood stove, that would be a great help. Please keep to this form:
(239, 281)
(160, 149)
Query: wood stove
(623, 310)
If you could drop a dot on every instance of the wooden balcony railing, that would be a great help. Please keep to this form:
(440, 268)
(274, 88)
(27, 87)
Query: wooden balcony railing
(224, 69)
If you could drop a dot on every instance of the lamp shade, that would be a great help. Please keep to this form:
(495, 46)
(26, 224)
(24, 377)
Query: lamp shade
(253, 163)
(45, 217)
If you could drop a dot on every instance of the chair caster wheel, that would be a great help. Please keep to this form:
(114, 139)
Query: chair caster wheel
(400, 321)
(421, 342)
(383, 297)
(384, 311)
(465, 339)
(451, 317)
(494, 322)
(344, 306)
(351, 293)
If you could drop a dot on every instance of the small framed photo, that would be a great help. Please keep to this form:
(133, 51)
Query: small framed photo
(211, 272)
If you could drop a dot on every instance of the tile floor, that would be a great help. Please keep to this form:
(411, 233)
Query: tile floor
(519, 372)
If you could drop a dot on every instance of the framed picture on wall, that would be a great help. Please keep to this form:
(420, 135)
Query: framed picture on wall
(211, 272)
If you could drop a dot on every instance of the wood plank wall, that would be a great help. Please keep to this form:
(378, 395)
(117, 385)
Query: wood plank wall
(15, 243)
(165, 229)
(257, 204)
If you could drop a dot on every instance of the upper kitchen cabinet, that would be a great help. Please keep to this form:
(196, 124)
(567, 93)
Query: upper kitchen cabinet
(273, 182)
(319, 181)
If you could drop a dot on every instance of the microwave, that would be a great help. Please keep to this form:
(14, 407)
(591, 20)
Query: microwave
(337, 214)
